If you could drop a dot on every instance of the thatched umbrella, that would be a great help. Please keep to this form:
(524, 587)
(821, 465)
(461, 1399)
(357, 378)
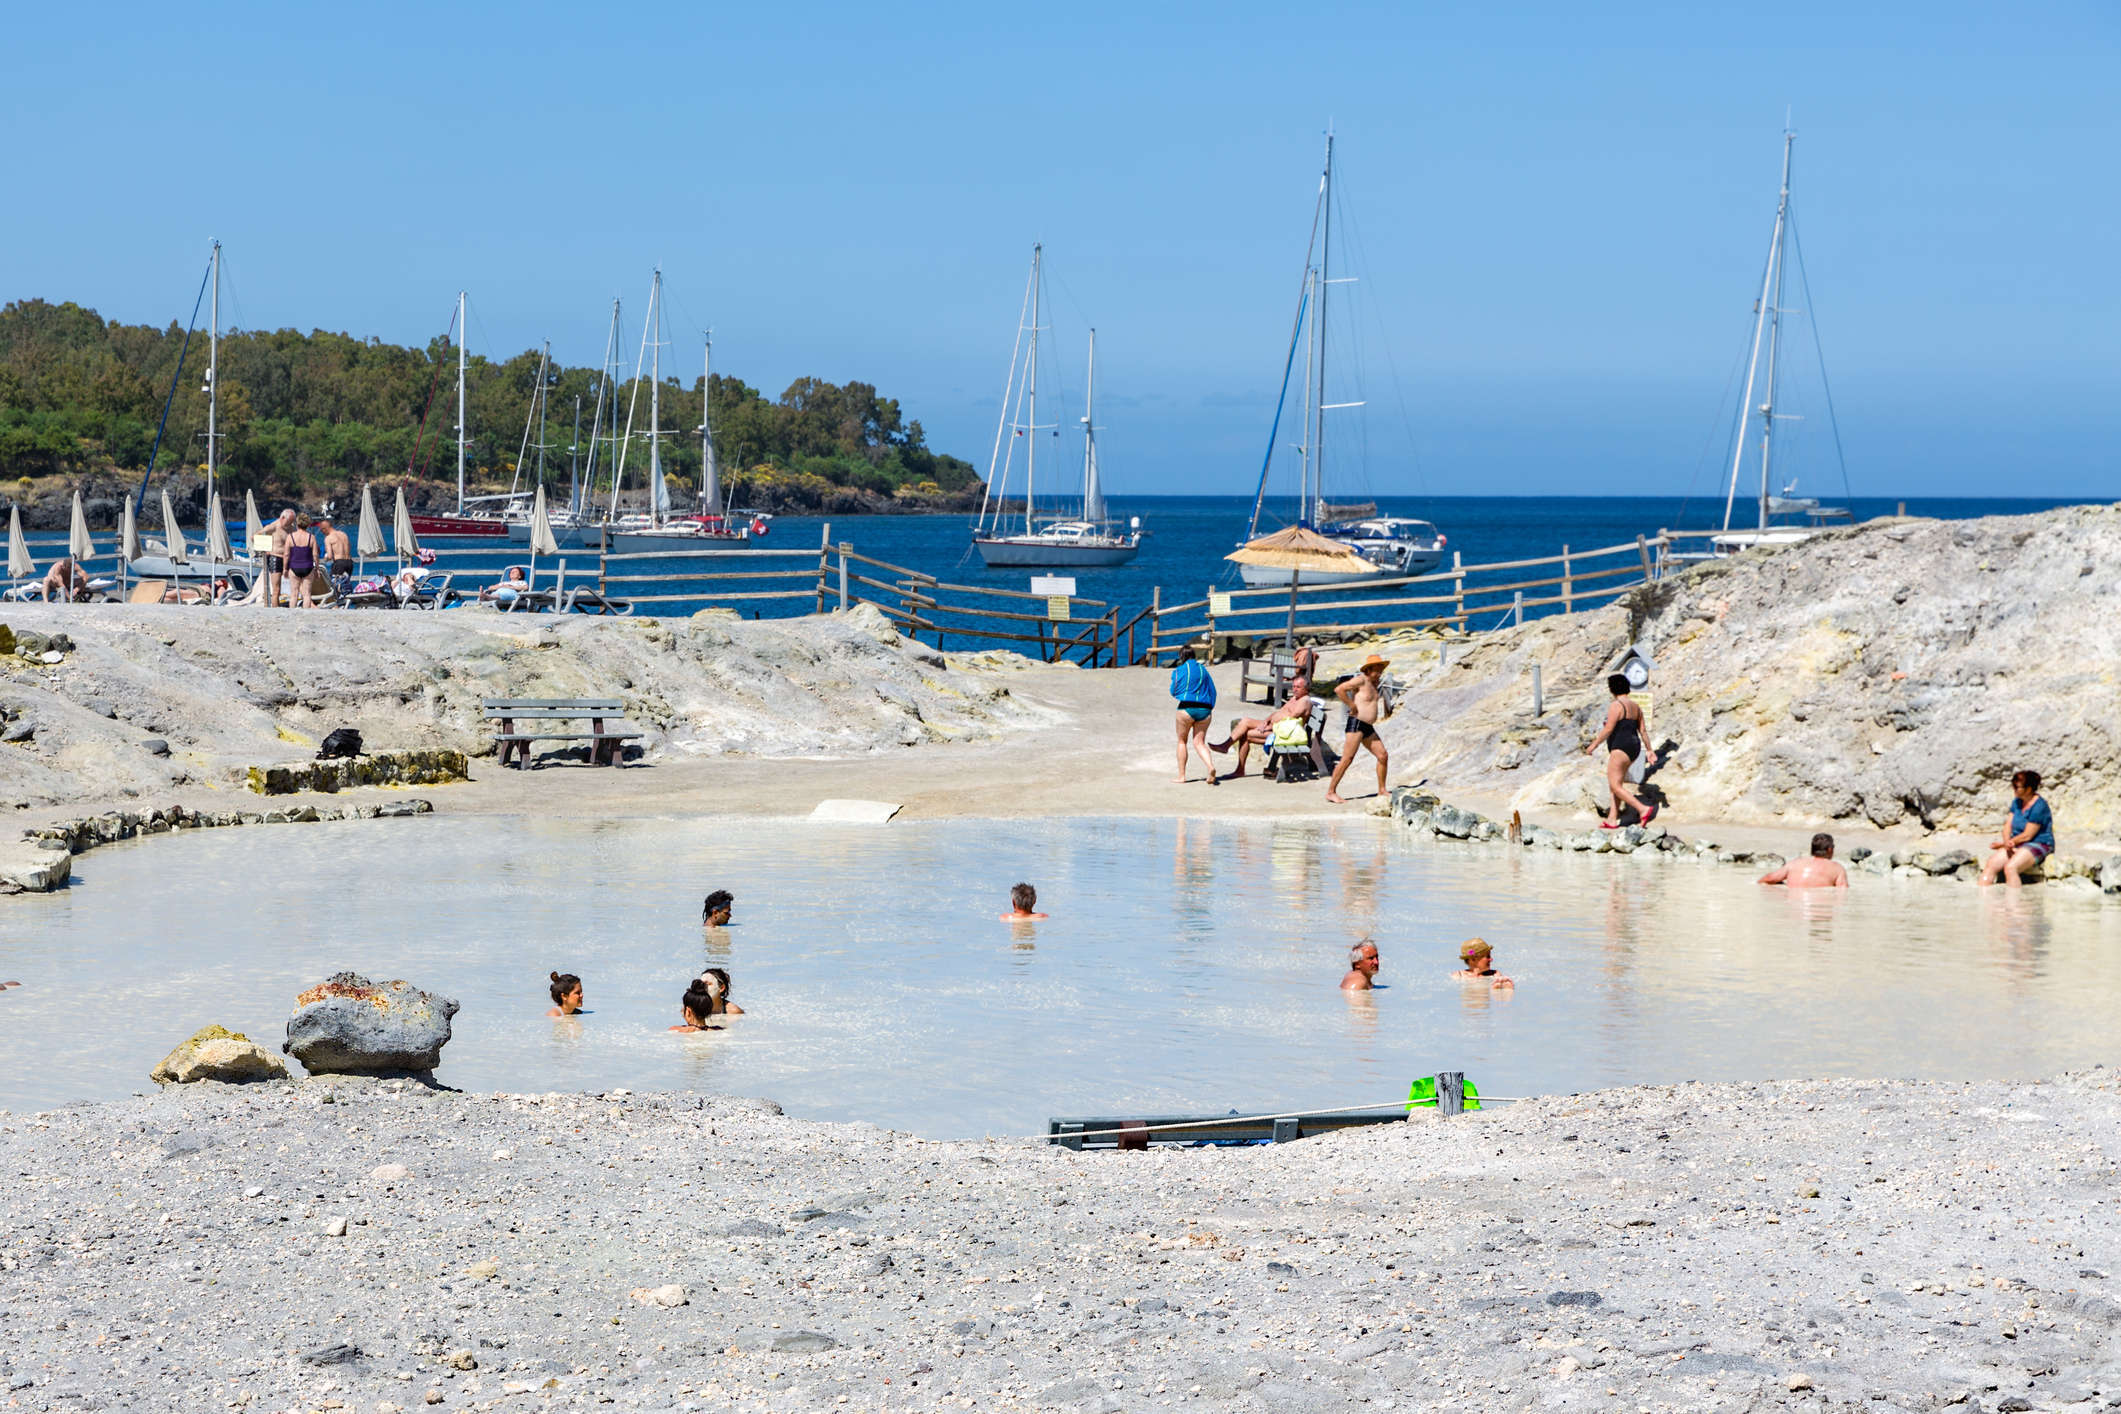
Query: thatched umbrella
(1296, 550)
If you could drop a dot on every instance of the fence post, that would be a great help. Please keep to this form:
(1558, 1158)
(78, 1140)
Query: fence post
(603, 552)
(824, 563)
(1568, 583)
(1156, 623)
(1642, 547)
(1451, 1092)
(1539, 696)
(1517, 609)
(844, 548)
(1210, 655)
(1458, 572)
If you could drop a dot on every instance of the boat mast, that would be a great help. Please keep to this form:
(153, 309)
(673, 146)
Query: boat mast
(213, 384)
(657, 496)
(710, 473)
(1031, 432)
(1093, 494)
(596, 416)
(463, 343)
(1768, 286)
(997, 462)
(544, 404)
(1774, 317)
(1325, 278)
(1303, 445)
(574, 464)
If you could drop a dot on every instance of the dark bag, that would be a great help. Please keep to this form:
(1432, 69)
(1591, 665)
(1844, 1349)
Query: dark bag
(345, 742)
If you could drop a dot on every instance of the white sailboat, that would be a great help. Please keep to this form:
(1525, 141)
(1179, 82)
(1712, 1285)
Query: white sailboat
(1088, 541)
(1398, 546)
(657, 530)
(1777, 520)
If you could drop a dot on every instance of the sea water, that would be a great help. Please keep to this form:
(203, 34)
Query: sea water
(1187, 967)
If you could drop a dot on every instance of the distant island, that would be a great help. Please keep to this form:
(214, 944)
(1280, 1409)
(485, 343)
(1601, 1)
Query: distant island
(308, 418)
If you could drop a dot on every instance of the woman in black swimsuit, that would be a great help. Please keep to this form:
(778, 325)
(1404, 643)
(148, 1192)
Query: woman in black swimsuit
(1624, 739)
(301, 563)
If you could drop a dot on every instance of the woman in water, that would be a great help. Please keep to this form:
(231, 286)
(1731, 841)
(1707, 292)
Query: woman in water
(1479, 960)
(1625, 737)
(716, 981)
(698, 1006)
(566, 994)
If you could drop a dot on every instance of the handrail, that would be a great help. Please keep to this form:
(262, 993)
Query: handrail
(693, 554)
(887, 565)
(1443, 576)
(1015, 594)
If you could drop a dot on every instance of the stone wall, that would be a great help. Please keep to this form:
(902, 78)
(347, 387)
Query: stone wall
(384, 768)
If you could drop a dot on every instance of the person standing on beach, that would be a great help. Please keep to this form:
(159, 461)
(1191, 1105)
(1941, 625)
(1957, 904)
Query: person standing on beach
(2030, 837)
(301, 563)
(1362, 966)
(1194, 691)
(1625, 738)
(338, 553)
(1359, 693)
(281, 529)
(1817, 872)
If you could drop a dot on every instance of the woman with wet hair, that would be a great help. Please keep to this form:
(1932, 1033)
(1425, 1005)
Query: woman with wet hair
(698, 1006)
(566, 994)
(716, 981)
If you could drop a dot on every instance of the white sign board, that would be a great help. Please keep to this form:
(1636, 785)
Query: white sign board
(1052, 584)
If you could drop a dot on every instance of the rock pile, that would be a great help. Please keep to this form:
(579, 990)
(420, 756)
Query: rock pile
(348, 1025)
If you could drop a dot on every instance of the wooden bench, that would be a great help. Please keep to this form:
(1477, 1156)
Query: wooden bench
(1273, 673)
(606, 745)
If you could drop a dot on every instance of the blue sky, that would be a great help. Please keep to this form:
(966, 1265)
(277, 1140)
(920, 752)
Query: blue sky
(1562, 210)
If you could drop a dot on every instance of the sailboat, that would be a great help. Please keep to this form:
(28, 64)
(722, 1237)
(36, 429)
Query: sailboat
(467, 522)
(1090, 540)
(1398, 546)
(658, 529)
(1777, 520)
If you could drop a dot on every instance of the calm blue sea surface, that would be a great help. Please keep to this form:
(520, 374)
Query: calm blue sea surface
(1189, 535)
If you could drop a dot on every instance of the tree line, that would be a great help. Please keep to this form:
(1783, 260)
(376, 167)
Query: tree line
(310, 413)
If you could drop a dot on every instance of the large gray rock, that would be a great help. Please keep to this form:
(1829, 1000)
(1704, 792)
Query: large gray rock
(352, 1026)
(34, 866)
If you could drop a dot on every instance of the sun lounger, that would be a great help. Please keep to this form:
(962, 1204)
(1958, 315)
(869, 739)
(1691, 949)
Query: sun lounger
(585, 600)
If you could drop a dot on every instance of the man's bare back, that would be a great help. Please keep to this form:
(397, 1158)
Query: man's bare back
(1809, 873)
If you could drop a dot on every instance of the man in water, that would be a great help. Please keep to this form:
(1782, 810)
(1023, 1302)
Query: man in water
(1023, 905)
(1360, 694)
(1817, 872)
(714, 913)
(1362, 966)
(1248, 732)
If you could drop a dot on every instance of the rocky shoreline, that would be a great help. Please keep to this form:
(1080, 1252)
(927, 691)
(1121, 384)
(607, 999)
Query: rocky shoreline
(352, 1244)
(42, 861)
(1427, 815)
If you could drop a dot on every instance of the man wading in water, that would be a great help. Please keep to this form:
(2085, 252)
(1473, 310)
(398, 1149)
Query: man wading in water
(1359, 693)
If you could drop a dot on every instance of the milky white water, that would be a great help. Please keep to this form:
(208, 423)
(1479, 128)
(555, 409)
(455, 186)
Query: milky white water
(1189, 966)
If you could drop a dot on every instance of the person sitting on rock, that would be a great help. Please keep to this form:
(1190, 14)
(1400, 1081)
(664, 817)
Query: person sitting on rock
(2030, 837)
(714, 913)
(566, 994)
(1362, 967)
(1023, 905)
(1479, 960)
(1819, 871)
(716, 981)
(697, 1006)
(1248, 732)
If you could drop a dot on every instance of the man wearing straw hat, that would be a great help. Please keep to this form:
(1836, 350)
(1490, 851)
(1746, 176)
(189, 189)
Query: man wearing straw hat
(1359, 693)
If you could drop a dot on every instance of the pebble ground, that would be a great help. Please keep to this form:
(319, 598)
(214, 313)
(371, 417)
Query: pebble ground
(379, 1246)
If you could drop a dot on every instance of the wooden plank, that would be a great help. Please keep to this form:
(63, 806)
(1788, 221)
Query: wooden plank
(566, 736)
(700, 555)
(938, 587)
(713, 599)
(612, 702)
(804, 575)
(895, 569)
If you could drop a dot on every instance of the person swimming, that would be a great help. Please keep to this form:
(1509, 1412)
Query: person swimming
(716, 981)
(1023, 904)
(1479, 960)
(1362, 967)
(566, 994)
(714, 913)
(697, 1006)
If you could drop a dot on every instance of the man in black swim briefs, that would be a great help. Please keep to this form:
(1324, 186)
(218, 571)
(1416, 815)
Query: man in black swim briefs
(1365, 700)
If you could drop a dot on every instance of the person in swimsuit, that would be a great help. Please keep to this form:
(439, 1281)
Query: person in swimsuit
(64, 581)
(716, 981)
(1248, 732)
(1194, 692)
(566, 994)
(1023, 905)
(715, 911)
(283, 526)
(1817, 872)
(698, 1007)
(2030, 838)
(338, 550)
(1362, 966)
(301, 563)
(1479, 960)
(1365, 701)
(1624, 738)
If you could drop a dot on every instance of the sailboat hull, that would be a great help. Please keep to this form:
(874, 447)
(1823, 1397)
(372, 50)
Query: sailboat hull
(1030, 552)
(567, 537)
(638, 542)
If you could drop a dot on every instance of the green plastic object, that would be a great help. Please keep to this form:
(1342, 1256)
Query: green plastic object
(1423, 1093)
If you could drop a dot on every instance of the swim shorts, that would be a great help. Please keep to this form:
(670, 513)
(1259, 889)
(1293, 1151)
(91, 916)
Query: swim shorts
(2038, 851)
(1359, 729)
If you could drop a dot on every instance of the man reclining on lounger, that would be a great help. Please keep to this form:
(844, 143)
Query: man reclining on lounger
(1248, 732)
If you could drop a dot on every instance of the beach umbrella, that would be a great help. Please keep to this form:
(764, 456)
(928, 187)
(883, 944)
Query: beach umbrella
(1296, 550)
(78, 546)
(408, 544)
(541, 541)
(217, 533)
(172, 533)
(370, 541)
(19, 564)
(128, 540)
(253, 528)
